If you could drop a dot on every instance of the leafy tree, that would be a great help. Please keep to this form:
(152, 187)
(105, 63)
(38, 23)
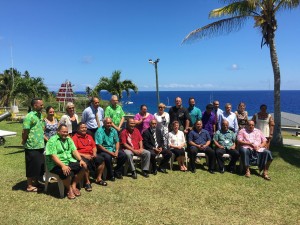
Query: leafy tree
(115, 86)
(263, 12)
(30, 87)
(7, 84)
(88, 91)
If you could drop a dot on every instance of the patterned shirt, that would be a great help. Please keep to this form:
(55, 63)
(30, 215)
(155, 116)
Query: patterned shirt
(34, 123)
(255, 137)
(116, 114)
(109, 140)
(226, 139)
(62, 149)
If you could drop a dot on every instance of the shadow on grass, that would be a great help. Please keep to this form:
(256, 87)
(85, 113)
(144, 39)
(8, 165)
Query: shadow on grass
(290, 155)
(21, 186)
(12, 153)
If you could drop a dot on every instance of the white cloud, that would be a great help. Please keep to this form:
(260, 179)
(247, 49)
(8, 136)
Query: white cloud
(174, 85)
(87, 59)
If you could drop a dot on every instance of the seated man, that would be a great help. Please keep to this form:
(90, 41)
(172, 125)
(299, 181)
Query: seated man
(153, 141)
(61, 155)
(107, 141)
(132, 143)
(86, 148)
(253, 143)
(225, 143)
(199, 141)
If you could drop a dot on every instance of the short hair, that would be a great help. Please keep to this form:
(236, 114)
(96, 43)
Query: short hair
(209, 106)
(162, 105)
(34, 100)
(197, 122)
(69, 104)
(106, 118)
(228, 104)
(48, 108)
(143, 105)
(79, 124)
(190, 98)
(61, 126)
(263, 105)
(175, 122)
(113, 97)
(93, 98)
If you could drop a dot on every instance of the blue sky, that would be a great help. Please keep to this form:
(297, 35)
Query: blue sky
(84, 40)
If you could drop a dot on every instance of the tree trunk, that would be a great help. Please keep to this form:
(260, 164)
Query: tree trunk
(277, 137)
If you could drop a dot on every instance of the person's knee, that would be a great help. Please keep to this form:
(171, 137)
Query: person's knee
(243, 151)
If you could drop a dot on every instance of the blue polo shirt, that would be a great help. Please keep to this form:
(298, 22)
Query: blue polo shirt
(199, 138)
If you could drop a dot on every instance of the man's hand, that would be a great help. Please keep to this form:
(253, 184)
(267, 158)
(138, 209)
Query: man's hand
(66, 170)
(82, 164)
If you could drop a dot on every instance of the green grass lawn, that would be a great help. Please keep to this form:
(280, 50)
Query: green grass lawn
(174, 198)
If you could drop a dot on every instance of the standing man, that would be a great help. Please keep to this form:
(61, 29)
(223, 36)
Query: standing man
(209, 120)
(195, 113)
(33, 141)
(87, 149)
(199, 141)
(217, 111)
(63, 159)
(230, 117)
(93, 116)
(225, 143)
(116, 113)
(107, 140)
(180, 114)
(132, 143)
(153, 142)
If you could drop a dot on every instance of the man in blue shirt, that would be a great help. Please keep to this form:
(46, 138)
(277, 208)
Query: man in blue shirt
(93, 117)
(199, 141)
(195, 113)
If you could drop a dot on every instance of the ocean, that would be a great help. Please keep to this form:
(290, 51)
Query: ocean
(252, 99)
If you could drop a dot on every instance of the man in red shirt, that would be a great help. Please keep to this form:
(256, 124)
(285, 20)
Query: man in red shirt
(86, 147)
(132, 143)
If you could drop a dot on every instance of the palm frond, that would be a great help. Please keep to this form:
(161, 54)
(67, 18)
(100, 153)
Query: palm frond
(238, 8)
(287, 4)
(220, 27)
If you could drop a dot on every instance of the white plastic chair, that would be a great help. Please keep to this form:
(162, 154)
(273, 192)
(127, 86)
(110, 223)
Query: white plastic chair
(48, 175)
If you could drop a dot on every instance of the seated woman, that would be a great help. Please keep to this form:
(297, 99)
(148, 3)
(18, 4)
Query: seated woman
(63, 159)
(253, 150)
(177, 145)
(142, 119)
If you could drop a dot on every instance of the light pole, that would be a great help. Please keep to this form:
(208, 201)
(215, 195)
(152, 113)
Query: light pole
(156, 76)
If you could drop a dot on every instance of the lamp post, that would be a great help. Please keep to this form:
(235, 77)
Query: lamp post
(156, 76)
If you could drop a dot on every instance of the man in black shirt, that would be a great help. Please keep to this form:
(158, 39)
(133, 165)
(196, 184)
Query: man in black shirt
(180, 114)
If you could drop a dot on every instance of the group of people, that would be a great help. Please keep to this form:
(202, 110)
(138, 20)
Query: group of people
(73, 149)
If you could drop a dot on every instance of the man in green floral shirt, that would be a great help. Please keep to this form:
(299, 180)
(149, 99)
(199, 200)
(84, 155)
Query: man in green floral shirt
(116, 113)
(61, 159)
(33, 141)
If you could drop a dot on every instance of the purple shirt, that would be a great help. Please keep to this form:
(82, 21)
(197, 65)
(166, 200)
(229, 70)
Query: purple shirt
(146, 122)
(208, 121)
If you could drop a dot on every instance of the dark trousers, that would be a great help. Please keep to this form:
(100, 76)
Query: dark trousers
(209, 152)
(167, 154)
(122, 158)
(234, 157)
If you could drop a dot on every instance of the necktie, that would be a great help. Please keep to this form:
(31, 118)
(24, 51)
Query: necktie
(97, 118)
(155, 140)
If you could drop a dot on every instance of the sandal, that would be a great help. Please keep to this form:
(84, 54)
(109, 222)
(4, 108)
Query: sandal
(76, 192)
(247, 174)
(32, 189)
(101, 182)
(88, 187)
(71, 195)
(266, 177)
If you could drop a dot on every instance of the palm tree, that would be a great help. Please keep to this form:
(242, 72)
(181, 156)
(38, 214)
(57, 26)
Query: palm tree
(115, 86)
(7, 80)
(237, 12)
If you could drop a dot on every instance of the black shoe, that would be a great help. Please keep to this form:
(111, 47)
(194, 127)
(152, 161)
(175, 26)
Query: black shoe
(222, 170)
(231, 169)
(211, 171)
(193, 170)
(162, 170)
(154, 172)
(112, 178)
(134, 175)
(145, 174)
(118, 176)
